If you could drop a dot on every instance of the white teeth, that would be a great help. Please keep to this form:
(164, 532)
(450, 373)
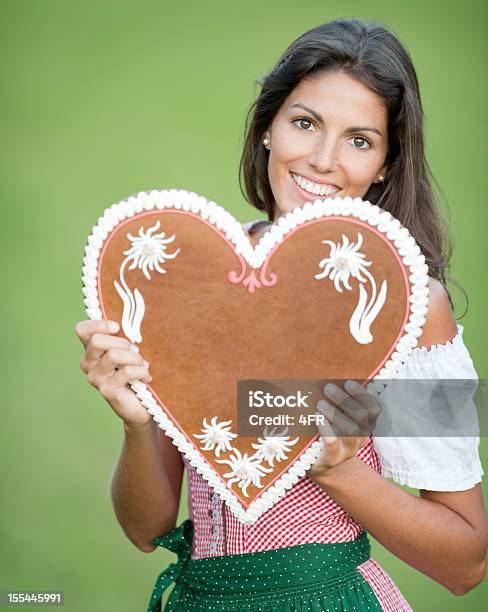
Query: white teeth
(314, 188)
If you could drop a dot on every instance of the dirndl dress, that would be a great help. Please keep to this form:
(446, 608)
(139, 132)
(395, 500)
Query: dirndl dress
(304, 553)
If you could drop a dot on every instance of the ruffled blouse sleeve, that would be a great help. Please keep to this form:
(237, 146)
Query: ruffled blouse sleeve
(433, 462)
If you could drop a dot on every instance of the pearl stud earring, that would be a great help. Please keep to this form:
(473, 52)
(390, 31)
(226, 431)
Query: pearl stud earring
(266, 142)
(381, 178)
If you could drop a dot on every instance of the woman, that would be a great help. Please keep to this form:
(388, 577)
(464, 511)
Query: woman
(340, 114)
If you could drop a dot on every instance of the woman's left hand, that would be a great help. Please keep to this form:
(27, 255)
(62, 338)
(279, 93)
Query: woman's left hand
(348, 417)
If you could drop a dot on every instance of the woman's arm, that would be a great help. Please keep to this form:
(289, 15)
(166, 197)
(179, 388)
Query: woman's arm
(443, 535)
(146, 484)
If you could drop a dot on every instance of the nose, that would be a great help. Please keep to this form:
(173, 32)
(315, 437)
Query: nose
(324, 154)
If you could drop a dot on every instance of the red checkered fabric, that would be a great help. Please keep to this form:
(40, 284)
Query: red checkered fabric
(385, 589)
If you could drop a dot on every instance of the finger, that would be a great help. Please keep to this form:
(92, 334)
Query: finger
(348, 405)
(100, 343)
(365, 397)
(129, 373)
(326, 408)
(112, 361)
(115, 359)
(85, 329)
(325, 429)
(343, 426)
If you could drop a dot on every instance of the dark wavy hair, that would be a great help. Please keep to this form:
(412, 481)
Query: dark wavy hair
(372, 55)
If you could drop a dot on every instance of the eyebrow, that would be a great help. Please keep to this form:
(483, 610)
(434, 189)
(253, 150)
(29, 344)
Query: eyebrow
(354, 128)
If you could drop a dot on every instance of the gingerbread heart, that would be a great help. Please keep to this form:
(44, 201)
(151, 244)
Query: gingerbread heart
(336, 289)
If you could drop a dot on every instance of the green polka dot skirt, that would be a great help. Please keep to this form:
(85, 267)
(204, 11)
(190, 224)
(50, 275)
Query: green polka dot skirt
(309, 577)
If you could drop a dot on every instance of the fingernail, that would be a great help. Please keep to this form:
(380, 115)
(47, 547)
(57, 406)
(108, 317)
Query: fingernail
(324, 407)
(330, 389)
(113, 326)
(351, 385)
(145, 364)
(134, 348)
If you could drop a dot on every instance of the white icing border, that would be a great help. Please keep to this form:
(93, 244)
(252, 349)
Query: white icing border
(216, 215)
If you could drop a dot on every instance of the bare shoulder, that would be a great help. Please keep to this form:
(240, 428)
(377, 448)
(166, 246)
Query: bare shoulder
(440, 325)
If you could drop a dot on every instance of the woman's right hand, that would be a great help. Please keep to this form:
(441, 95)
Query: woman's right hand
(109, 363)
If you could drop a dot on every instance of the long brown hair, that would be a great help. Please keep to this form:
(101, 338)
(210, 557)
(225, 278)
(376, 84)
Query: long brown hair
(374, 56)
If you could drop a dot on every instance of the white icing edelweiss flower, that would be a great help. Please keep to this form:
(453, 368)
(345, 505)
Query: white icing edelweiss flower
(344, 261)
(245, 471)
(273, 446)
(216, 435)
(148, 251)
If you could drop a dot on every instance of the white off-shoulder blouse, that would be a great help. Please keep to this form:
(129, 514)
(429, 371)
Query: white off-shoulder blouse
(437, 463)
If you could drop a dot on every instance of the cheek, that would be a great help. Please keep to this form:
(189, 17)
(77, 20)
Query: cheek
(273, 166)
(285, 147)
(361, 168)
(278, 163)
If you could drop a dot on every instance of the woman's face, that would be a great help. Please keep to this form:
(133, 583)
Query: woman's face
(329, 138)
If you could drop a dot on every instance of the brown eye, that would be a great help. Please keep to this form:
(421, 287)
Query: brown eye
(361, 143)
(303, 124)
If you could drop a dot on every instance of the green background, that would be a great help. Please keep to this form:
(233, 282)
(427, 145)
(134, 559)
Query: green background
(105, 99)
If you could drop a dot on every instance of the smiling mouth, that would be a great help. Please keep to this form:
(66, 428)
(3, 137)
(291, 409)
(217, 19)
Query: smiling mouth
(312, 188)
